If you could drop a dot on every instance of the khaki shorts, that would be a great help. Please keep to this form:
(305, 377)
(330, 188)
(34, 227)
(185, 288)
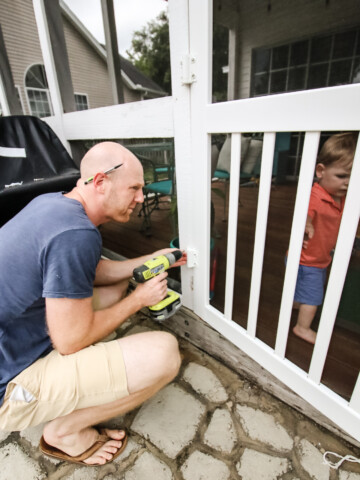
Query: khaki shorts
(56, 385)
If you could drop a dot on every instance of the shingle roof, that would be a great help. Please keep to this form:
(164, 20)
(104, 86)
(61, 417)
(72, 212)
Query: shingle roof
(138, 77)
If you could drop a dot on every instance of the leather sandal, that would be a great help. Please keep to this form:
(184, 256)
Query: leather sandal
(54, 452)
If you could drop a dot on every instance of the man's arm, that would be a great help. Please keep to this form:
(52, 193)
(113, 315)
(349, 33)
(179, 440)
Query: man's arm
(73, 324)
(109, 272)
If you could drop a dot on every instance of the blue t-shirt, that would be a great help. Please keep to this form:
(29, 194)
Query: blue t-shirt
(48, 250)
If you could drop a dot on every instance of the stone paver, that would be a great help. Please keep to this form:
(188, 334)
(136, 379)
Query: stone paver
(260, 466)
(205, 382)
(263, 427)
(221, 433)
(209, 424)
(16, 464)
(170, 420)
(200, 466)
(148, 467)
(349, 476)
(312, 461)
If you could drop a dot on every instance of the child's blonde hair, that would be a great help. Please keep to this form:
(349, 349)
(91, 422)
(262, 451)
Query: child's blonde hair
(338, 148)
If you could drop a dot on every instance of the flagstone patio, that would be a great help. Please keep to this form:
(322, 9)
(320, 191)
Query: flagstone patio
(208, 424)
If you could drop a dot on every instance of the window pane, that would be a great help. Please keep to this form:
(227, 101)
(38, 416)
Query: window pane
(344, 44)
(261, 61)
(320, 49)
(356, 74)
(35, 77)
(317, 76)
(340, 72)
(299, 53)
(296, 79)
(278, 82)
(280, 57)
(261, 84)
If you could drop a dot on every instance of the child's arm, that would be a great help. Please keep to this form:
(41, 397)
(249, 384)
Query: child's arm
(309, 232)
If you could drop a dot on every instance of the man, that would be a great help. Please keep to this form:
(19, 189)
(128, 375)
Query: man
(59, 299)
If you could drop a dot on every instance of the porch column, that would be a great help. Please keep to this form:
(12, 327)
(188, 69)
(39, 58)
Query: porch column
(8, 95)
(113, 56)
(45, 14)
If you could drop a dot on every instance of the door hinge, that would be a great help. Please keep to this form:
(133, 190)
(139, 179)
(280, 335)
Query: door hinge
(192, 258)
(187, 69)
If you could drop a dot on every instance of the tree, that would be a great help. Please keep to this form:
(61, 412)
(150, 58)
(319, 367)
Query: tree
(150, 51)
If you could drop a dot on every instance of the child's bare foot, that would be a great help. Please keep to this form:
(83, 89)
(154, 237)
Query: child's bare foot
(305, 333)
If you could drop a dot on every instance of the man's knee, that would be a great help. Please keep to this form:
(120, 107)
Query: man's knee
(151, 358)
(169, 350)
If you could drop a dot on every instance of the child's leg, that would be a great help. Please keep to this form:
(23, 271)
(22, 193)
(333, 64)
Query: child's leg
(302, 328)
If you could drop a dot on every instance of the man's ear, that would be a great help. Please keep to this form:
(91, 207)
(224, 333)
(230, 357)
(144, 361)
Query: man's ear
(99, 182)
(319, 170)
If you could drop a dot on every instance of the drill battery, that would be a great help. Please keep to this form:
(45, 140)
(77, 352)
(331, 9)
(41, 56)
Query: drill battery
(167, 307)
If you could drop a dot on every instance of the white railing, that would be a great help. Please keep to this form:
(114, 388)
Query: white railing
(334, 109)
(308, 385)
(191, 119)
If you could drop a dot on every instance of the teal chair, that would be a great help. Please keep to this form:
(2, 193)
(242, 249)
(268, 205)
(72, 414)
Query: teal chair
(159, 189)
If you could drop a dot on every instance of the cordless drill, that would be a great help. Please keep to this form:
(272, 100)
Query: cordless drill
(172, 302)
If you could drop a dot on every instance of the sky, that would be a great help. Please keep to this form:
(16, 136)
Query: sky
(130, 15)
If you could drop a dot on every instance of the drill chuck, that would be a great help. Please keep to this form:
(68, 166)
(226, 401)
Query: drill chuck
(156, 265)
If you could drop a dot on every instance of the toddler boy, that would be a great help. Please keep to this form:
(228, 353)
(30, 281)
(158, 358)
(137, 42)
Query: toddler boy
(326, 206)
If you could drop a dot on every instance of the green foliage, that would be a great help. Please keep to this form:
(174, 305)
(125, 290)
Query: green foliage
(150, 51)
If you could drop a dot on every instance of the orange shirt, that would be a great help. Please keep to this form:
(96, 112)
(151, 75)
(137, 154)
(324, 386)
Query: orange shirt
(326, 217)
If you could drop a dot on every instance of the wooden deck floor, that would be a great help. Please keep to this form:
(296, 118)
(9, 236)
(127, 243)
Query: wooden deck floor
(343, 363)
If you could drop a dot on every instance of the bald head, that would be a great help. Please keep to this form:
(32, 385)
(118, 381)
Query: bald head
(104, 156)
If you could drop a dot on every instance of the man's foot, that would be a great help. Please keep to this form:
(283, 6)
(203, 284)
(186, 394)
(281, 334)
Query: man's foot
(107, 451)
(305, 333)
(89, 446)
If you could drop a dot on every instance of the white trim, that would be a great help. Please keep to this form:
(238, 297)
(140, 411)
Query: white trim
(326, 109)
(308, 160)
(153, 118)
(235, 164)
(3, 99)
(12, 152)
(49, 64)
(18, 89)
(260, 232)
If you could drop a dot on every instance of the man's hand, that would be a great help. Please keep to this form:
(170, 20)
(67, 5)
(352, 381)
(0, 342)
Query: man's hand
(164, 251)
(153, 291)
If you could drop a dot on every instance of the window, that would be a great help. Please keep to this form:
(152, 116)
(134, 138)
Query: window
(321, 61)
(81, 101)
(38, 94)
(38, 91)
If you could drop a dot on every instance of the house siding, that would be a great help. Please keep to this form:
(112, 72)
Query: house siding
(21, 39)
(86, 64)
(288, 20)
(88, 69)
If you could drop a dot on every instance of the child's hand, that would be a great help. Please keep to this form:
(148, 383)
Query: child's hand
(309, 233)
